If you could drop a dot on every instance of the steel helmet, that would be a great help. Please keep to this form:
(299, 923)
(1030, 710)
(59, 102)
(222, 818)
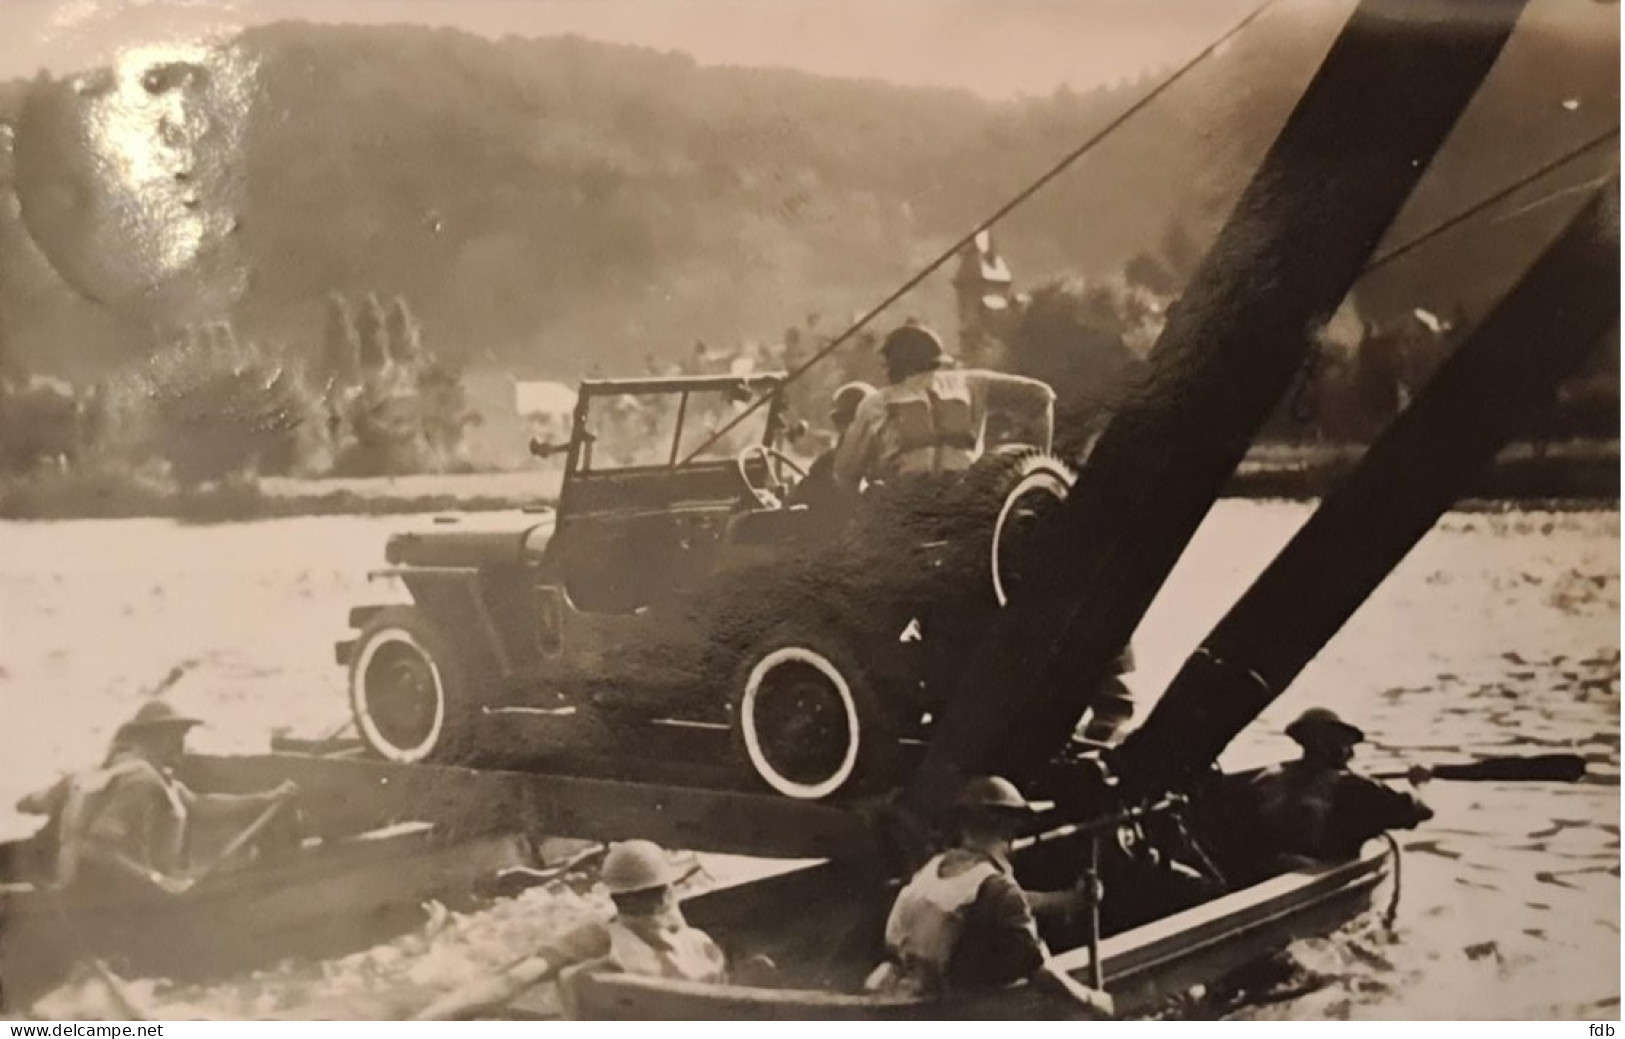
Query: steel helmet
(843, 404)
(152, 715)
(992, 794)
(633, 866)
(913, 348)
(1322, 727)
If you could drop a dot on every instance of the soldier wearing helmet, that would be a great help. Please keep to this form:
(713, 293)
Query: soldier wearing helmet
(962, 922)
(817, 488)
(932, 416)
(647, 935)
(1316, 807)
(132, 826)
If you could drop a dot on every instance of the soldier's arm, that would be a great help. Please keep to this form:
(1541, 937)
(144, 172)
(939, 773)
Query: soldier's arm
(1012, 948)
(587, 942)
(1008, 392)
(1007, 946)
(118, 862)
(46, 801)
(232, 807)
(1030, 400)
(1099, 1004)
(1056, 903)
(488, 993)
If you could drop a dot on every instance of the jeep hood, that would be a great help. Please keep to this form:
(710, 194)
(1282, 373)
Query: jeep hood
(503, 539)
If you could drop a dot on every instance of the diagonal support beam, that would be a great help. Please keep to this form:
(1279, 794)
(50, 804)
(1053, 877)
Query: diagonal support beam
(1382, 103)
(1471, 408)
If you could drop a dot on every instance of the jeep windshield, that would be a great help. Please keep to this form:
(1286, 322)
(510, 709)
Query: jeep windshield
(638, 423)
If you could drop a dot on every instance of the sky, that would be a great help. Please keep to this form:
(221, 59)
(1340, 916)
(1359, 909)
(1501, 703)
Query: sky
(998, 48)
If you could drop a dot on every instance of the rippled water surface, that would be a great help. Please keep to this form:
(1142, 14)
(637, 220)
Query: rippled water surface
(1500, 634)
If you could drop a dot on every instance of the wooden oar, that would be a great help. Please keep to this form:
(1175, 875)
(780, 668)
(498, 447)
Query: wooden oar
(1536, 768)
(514, 879)
(167, 682)
(239, 842)
(127, 1004)
(1097, 970)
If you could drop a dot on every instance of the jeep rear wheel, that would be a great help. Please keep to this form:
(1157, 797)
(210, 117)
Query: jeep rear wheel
(408, 691)
(805, 717)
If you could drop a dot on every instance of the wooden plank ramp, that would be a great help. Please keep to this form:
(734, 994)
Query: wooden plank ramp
(344, 794)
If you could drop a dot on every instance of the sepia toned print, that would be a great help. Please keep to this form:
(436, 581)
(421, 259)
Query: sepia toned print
(706, 509)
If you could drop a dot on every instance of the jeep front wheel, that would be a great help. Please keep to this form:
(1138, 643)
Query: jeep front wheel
(409, 693)
(805, 717)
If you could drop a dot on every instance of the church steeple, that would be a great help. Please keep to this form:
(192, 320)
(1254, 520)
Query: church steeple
(984, 289)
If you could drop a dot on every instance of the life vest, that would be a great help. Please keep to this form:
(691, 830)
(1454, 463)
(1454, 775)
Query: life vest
(1295, 806)
(682, 952)
(1329, 813)
(932, 425)
(79, 818)
(929, 916)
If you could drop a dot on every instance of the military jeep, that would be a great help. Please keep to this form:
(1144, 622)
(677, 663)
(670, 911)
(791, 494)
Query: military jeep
(674, 592)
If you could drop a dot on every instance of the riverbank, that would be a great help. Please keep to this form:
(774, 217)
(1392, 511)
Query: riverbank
(1576, 474)
(1572, 471)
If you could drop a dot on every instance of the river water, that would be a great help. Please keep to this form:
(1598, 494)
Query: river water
(1499, 634)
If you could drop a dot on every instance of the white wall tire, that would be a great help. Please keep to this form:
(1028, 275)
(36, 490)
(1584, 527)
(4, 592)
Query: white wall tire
(403, 690)
(805, 720)
(1047, 477)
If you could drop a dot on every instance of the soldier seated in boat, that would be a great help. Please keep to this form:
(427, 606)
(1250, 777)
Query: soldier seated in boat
(131, 826)
(1316, 808)
(647, 935)
(1112, 708)
(929, 421)
(963, 923)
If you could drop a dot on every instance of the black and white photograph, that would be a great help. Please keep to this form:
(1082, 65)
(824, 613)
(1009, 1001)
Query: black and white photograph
(840, 510)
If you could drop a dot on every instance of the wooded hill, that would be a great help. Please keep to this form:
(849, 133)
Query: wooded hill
(552, 204)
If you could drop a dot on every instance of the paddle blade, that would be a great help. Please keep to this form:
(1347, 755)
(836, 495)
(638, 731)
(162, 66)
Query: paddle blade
(1552, 768)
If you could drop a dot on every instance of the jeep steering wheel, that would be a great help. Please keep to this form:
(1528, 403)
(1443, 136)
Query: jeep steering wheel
(769, 495)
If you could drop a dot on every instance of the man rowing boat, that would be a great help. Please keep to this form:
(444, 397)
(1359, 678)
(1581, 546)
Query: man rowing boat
(963, 923)
(647, 935)
(130, 826)
(1316, 807)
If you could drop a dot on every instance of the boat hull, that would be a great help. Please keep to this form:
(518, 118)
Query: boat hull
(329, 900)
(1144, 967)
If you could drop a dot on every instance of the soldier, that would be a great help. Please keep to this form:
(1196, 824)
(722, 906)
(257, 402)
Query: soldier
(818, 486)
(647, 935)
(963, 922)
(131, 824)
(1113, 706)
(932, 417)
(1316, 808)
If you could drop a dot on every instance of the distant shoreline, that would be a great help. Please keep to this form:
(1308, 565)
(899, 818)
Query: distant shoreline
(1572, 476)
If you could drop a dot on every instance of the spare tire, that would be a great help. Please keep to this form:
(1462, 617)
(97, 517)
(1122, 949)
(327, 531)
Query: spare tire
(1006, 494)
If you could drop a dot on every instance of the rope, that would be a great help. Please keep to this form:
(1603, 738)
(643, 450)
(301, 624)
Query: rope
(1395, 253)
(1195, 847)
(970, 236)
(1392, 912)
(1072, 157)
(342, 728)
(1221, 664)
